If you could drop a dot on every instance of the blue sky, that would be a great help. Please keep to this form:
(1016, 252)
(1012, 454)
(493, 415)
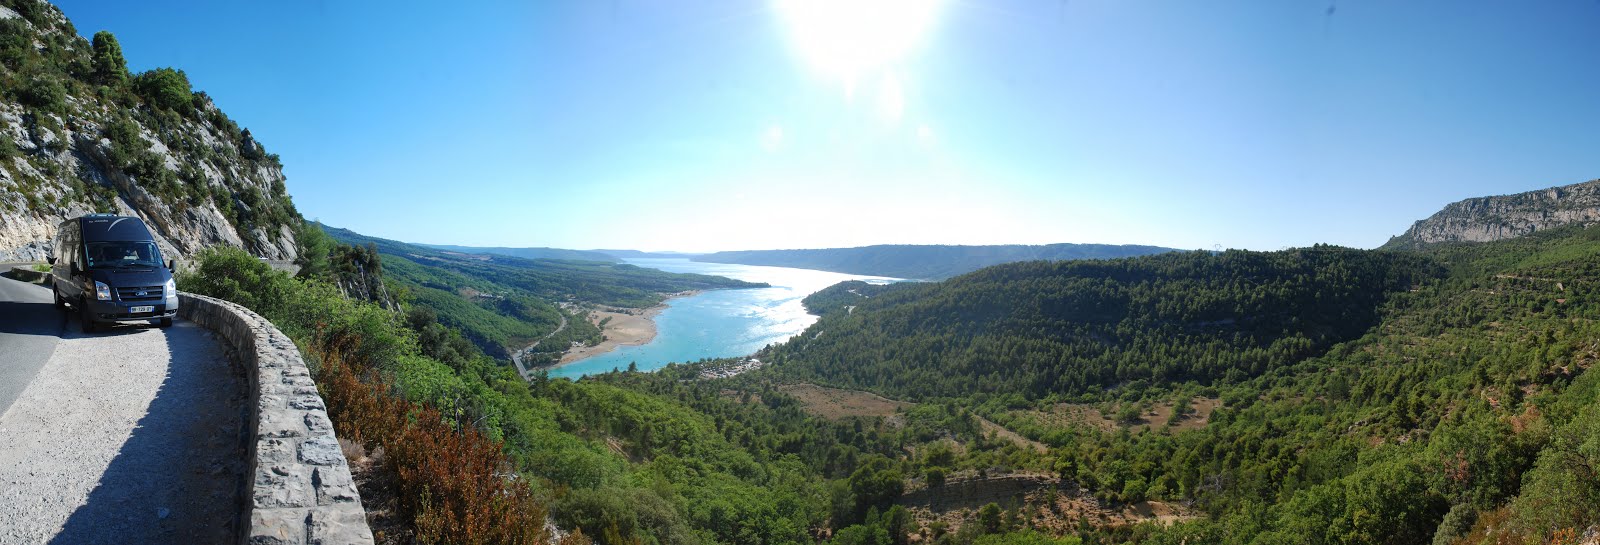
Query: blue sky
(667, 125)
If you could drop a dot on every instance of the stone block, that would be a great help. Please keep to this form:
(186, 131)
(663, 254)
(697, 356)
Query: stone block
(317, 423)
(278, 527)
(279, 424)
(321, 450)
(271, 402)
(307, 402)
(338, 526)
(334, 485)
(273, 450)
(283, 485)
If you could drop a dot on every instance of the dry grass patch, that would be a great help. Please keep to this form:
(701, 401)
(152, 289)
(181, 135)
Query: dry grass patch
(836, 404)
(1014, 437)
(1084, 415)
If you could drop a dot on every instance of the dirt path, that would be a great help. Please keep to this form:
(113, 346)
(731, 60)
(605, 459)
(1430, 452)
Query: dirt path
(1014, 437)
(837, 403)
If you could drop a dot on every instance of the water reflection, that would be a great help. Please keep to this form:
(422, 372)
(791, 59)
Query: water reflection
(721, 323)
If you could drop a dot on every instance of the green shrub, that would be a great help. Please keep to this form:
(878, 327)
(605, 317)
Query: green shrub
(990, 518)
(313, 246)
(44, 92)
(15, 45)
(126, 145)
(232, 274)
(166, 88)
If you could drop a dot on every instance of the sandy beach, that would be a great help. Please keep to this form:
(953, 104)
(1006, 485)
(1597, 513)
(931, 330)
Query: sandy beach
(627, 327)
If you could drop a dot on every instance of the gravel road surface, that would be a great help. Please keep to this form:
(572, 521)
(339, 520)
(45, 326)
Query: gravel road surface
(129, 436)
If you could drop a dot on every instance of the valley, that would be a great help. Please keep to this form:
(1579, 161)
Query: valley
(823, 333)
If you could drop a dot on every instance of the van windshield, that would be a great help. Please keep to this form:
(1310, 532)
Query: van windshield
(117, 255)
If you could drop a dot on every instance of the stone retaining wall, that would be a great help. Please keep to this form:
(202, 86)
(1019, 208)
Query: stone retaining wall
(301, 492)
(27, 274)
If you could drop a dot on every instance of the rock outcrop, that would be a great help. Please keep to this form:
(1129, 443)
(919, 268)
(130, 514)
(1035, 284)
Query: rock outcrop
(1485, 219)
(74, 141)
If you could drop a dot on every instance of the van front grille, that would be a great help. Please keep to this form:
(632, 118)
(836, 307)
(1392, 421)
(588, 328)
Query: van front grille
(145, 293)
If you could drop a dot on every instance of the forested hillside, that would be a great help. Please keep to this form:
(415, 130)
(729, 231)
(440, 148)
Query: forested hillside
(919, 262)
(1365, 396)
(1318, 395)
(1062, 329)
(621, 458)
(502, 303)
(529, 253)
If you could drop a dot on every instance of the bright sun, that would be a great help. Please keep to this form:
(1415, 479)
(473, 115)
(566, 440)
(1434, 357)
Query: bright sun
(856, 39)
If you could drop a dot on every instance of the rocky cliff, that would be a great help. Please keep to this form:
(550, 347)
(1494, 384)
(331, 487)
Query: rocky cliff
(1485, 219)
(80, 134)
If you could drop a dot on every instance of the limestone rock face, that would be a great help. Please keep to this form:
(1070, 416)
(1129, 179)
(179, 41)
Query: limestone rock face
(1485, 219)
(193, 175)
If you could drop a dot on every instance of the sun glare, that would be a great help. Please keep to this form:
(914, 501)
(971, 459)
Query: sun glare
(855, 39)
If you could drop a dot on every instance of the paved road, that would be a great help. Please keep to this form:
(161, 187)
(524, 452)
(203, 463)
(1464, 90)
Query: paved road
(133, 435)
(30, 327)
(516, 357)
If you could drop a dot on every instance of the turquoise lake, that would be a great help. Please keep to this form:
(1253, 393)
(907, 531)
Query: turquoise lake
(719, 323)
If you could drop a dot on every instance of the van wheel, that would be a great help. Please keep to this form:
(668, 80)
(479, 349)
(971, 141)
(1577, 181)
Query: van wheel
(166, 322)
(85, 319)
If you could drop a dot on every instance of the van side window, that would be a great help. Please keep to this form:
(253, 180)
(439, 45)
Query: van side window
(77, 245)
(55, 243)
(69, 247)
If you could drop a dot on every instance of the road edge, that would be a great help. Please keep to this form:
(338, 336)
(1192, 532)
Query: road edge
(301, 491)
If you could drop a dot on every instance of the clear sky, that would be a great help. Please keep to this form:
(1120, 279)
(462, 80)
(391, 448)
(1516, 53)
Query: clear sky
(677, 125)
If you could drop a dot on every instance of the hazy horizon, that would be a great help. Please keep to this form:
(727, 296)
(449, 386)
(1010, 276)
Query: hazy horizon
(690, 253)
(769, 125)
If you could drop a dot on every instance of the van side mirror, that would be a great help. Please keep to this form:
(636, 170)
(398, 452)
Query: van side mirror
(172, 265)
(50, 259)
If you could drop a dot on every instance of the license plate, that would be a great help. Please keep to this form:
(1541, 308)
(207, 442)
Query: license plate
(136, 310)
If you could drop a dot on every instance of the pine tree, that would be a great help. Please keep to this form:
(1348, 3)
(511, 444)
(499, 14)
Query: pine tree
(110, 68)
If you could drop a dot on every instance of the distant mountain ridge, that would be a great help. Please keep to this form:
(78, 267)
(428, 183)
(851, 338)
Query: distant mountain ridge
(529, 253)
(1486, 219)
(633, 254)
(923, 262)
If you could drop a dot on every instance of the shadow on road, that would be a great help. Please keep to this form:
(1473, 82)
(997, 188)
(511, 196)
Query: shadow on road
(110, 329)
(28, 318)
(179, 476)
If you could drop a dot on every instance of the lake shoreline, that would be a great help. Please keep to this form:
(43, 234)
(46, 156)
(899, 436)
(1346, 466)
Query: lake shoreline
(716, 323)
(625, 327)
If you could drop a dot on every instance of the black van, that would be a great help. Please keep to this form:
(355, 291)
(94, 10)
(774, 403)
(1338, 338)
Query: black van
(109, 269)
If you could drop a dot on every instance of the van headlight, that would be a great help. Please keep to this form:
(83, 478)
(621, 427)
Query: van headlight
(102, 291)
(171, 290)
